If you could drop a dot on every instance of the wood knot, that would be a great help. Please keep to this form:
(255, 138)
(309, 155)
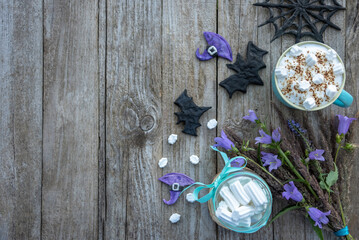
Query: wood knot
(147, 123)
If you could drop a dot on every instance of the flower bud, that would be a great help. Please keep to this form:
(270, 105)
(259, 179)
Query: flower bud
(349, 146)
(338, 138)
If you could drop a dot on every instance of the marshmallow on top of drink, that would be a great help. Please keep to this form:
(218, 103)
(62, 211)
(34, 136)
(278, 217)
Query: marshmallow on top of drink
(310, 75)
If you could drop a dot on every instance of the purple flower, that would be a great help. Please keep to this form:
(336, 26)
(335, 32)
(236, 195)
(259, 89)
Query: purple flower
(276, 135)
(223, 142)
(318, 216)
(271, 160)
(291, 191)
(252, 116)
(296, 128)
(344, 123)
(238, 162)
(317, 155)
(264, 138)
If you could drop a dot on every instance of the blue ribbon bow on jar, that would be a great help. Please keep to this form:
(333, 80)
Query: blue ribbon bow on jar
(233, 173)
(228, 168)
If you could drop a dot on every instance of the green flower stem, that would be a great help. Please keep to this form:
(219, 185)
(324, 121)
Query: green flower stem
(289, 163)
(348, 237)
(336, 154)
(259, 153)
(263, 168)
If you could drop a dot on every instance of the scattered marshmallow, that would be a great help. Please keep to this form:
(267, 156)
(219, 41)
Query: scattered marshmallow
(281, 72)
(194, 159)
(172, 138)
(229, 198)
(338, 69)
(309, 103)
(190, 197)
(318, 78)
(331, 91)
(162, 162)
(304, 85)
(212, 123)
(311, 59)
(238, 191)
(295, 51)
(331, 54)
(175, 218)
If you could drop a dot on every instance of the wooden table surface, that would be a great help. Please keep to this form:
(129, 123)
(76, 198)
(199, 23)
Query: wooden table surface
(87, 91)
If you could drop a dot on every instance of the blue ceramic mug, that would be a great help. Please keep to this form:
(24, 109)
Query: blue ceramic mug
(341, 99)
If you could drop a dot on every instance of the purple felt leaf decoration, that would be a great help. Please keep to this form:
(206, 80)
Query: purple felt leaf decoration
(222, 46)
(171, 178)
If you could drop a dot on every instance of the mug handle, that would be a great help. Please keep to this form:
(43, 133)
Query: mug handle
(344, 99)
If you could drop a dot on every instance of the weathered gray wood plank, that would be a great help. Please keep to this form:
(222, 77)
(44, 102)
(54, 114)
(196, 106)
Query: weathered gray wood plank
(183, 24)
(20, 119)
(134, 123)
(352, 86)
(71, 122)
(237, 22)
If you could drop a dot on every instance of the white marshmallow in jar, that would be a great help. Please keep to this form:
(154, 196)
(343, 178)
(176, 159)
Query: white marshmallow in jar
(238, 199)
(242, 201)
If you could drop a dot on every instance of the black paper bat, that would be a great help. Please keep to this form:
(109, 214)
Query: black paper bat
(247, 70)
(190, 113)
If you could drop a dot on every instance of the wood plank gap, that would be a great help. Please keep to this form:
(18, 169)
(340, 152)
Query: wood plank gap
(102, 52)
(42, 111)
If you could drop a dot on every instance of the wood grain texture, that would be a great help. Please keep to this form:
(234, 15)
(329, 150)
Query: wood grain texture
(182, 70)
(20, 119)
(352, 86)
(237, 21)
(71, 122)
(134, 123)
(87, 91)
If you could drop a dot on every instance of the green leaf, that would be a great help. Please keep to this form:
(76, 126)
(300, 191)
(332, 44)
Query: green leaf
(295, 180)
(317, 230)
(332, 177)
(283, 211)
(324, 186)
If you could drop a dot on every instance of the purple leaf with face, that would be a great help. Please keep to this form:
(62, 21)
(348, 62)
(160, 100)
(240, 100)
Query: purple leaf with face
(177, 181)
(218, 46)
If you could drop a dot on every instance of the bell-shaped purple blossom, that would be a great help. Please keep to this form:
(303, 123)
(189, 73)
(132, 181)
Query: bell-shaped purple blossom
(317, 155)
(264, 138)
(344, 123)
(238, 162)
(276, 135)
(251, 117)
(292, 192)
(271, 160)
(318, 216)
(223, 141)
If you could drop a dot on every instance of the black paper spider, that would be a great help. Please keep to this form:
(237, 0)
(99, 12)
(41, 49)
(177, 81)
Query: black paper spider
(298, 15)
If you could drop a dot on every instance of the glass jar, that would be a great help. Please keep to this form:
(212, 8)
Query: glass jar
(244, 176)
